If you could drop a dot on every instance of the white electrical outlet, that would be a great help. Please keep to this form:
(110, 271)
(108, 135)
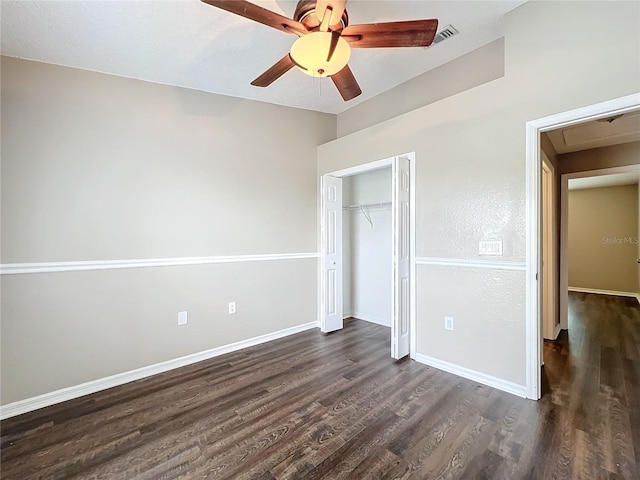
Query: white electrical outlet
(448, 323)
(182, 318)
(232, 308)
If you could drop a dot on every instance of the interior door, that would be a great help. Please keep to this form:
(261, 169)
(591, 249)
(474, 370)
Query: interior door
(401, 258)
(331, 231)
(548, 310)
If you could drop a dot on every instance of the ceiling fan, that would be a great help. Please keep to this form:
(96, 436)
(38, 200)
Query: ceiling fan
(325, 39)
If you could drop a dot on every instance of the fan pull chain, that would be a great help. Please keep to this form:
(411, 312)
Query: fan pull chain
(317, 81)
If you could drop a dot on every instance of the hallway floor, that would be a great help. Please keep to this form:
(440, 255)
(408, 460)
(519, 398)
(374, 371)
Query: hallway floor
(592, 390)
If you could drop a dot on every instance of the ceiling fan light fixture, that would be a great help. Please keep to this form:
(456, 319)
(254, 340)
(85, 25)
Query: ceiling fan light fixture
(310, 53)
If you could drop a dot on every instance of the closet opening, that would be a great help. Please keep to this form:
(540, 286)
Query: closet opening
(367, 249)
(367, 246)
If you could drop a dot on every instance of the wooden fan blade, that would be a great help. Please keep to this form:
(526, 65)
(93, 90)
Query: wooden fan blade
(259, 14)
(412, 33)
(335, 36)
(275, 72)
(346, 84)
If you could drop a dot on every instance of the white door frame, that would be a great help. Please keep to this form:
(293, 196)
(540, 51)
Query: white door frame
(564, 231)
(401, 258)
(367, 167)
(533, 211)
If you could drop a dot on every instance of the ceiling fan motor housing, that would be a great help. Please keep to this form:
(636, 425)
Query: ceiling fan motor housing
(305, 13)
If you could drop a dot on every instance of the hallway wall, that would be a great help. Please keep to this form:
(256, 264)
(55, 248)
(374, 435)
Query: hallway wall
(603, 238)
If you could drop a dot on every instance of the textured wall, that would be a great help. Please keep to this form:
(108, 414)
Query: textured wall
(470, 167)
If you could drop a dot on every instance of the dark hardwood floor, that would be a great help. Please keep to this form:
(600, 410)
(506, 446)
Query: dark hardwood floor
(336, 406)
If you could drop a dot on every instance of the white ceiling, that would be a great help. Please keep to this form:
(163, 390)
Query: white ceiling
(597, 133)
(190, 44)
(616, 179)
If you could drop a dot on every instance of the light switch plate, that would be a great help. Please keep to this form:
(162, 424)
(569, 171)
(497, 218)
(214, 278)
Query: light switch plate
(490, 247)
(182, 318)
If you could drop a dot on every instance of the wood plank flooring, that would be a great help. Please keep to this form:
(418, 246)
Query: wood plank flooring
(312, 406)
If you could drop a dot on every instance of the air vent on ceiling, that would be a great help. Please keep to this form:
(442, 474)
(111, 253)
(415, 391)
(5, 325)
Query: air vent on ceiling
(447, 32)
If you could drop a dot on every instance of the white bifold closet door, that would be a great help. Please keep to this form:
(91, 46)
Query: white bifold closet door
(331, 230)
(401, 258)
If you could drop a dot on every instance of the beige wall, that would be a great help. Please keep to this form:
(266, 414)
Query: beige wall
(599, 158)
(470, 167)
(103, 167)
(547, 148)
(63, 329)
(603, 238)
(621, 155)
(475, 68)
(97, 167)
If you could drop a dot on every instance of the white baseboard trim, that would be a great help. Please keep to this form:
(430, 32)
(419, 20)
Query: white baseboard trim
(69, 393)
(476, 263)
(554, 334)
(605, 292)
(491, 381)
(74, 266)
(372, 319)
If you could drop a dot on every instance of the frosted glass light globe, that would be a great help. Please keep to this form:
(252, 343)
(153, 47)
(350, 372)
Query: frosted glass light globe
(310, 52)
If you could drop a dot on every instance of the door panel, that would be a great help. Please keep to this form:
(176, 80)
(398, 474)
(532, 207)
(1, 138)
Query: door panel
(550, 319)
(331, 230)
(401, 259)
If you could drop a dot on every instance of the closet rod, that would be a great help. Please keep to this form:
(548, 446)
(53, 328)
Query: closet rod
(367, 205)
